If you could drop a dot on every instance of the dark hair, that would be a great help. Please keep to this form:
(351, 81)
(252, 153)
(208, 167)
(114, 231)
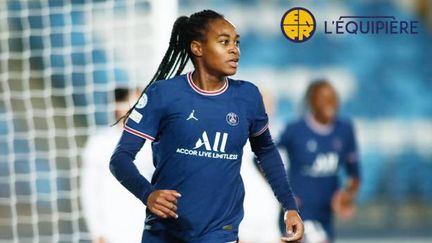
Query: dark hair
(184, 31)
(121, 94)
(313, 86)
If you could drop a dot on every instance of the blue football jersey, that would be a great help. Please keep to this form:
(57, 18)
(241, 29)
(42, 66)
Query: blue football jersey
(198, 138)
(315, 158)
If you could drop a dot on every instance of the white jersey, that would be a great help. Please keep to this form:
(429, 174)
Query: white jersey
(110, 210)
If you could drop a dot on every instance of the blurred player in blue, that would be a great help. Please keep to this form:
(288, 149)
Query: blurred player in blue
(198, 124)
(318, 145)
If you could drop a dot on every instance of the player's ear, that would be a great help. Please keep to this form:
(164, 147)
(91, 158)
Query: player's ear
(196, 48)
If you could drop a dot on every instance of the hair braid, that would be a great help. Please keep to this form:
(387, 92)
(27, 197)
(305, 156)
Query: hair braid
(184, 31)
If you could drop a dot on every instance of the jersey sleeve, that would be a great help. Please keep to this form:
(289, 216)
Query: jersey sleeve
(351, 154)
(260, 119)
(271, 163)
(144, 120)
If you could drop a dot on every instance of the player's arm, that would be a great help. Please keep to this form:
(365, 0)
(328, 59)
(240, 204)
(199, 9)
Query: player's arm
(352, 164)
(344, 200)
(125, 171)
(273, 168)
(161, 202)
(352, 186)
(143, 124)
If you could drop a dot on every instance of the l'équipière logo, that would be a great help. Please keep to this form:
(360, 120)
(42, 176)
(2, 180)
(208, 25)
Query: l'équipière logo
(299, 24)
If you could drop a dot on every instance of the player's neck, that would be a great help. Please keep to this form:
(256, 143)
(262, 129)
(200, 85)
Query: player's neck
(207, 82)
(318, 127)
(322, 121)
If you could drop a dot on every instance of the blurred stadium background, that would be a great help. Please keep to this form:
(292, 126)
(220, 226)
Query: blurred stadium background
(61, 60)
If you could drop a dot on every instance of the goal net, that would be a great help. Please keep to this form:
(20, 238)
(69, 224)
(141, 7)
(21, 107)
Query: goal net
(60, 62)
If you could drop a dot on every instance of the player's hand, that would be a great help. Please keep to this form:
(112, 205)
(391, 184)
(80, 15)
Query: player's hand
(163, 203)
(343, 205)
(294, 227)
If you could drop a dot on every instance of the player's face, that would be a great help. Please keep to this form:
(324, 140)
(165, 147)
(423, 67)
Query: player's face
(324, 104)
(220, 50)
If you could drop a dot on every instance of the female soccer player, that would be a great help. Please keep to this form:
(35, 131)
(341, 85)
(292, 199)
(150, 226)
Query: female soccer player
(198, 124)
(318, 146)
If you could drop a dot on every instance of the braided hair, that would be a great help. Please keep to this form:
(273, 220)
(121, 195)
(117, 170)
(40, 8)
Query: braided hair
(184, 31)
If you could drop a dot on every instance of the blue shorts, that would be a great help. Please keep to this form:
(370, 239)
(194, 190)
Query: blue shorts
(162, 236)
(158, 237)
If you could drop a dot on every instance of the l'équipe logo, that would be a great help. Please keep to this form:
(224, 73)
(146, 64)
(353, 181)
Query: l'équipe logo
(299, 24)
(370, 25)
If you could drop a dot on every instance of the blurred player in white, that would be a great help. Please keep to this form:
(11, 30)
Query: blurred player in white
(112, 215)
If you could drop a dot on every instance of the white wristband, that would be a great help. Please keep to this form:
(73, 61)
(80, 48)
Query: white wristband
(285, 215)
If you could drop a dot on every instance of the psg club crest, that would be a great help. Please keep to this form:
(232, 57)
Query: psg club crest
(337, 144)
(232, 119)
(142, 102)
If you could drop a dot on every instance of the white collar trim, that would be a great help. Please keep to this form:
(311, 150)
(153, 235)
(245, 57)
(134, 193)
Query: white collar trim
(317, 127)
(206, 92)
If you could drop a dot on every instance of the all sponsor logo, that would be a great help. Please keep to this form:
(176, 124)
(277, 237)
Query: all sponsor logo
(324, 165)
(213, 149)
